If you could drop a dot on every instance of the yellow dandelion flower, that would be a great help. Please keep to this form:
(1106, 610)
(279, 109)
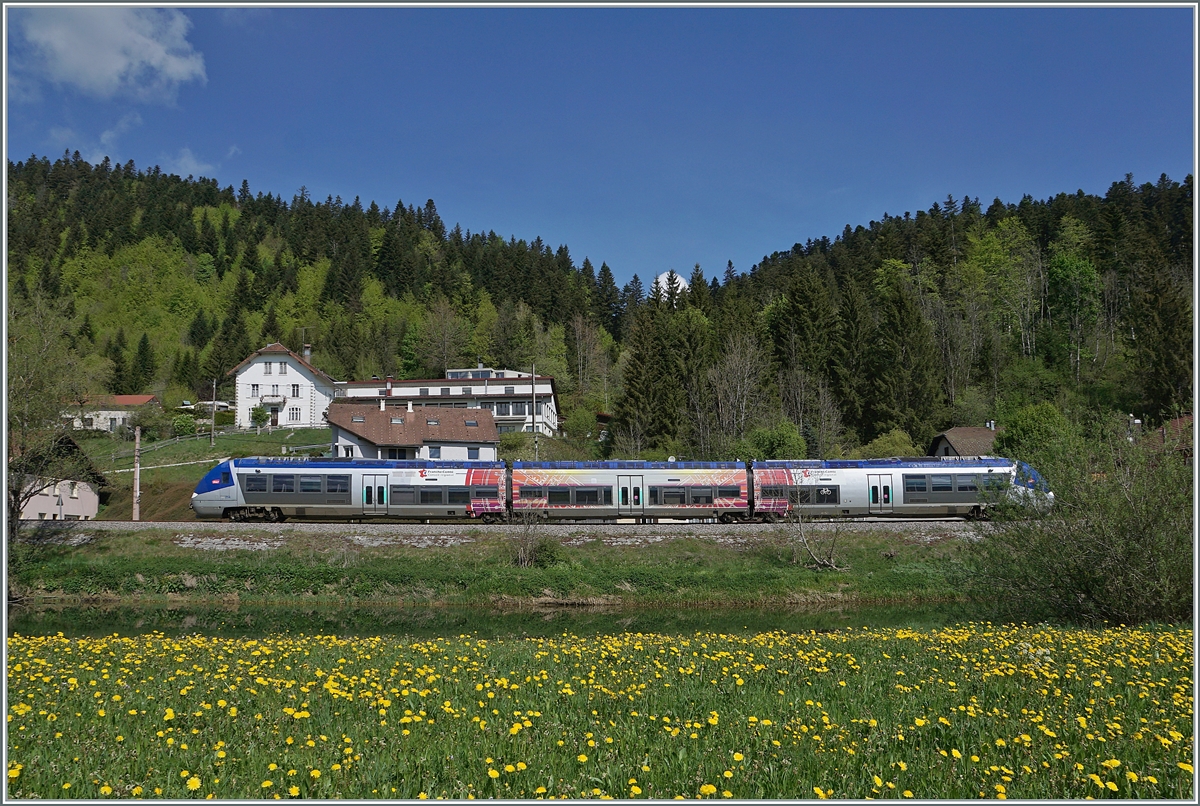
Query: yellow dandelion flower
(582, 757)
(1111, 764)
(493, 773)
(820, 792)
(267, 784)
(314, 773)
(708, 789)
(1132, 776)
(294, 790)
(106, 790)
(738, 757)
(908, 793)
(878, 781)
(1185, 766)
(193, 783)
(635, 790)
(727, 774)
(509, 768)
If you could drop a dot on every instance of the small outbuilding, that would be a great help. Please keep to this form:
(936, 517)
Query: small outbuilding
(964, 441)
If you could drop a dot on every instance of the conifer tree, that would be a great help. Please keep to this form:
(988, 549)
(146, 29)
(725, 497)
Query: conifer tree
(144, 366)
(608, 301)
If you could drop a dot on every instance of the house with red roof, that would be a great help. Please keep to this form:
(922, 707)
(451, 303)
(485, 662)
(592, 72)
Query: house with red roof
(109, 412)
(291, 390)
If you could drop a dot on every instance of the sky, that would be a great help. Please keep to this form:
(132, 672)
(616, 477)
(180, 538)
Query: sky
(646, 138)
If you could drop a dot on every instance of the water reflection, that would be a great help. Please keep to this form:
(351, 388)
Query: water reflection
(418, 622)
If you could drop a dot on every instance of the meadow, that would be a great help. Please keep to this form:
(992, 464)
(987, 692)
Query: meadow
(974, 710)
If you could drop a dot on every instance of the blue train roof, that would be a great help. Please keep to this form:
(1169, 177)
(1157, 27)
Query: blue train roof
(946, 462)
(627, 465)
(322, 463)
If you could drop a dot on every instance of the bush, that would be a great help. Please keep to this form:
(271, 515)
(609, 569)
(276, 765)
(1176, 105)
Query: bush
(896, 442)
(1115, 546)
(223, 418)
(183, 425)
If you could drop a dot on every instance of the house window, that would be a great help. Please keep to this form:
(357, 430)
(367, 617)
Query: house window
(294, 414)
(87, 422)
(358, 418)
(424, 392)
(472, 453)
(472, 423)
(295, 390)
(267, 368)
(397, 421)
(466, 390)
(488, 405)
(435, 451)
(518, 408)
(283, 368)
(74, 489)
(254, 390)
(348, 451)
(501, 409)
(275, 389)
(431, 422)
(510, 390)
(445, 390)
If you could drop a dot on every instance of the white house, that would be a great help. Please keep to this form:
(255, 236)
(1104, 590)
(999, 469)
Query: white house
(109, 412)
(398, 430)
(292, 390)
(63, 501)
(517, 400)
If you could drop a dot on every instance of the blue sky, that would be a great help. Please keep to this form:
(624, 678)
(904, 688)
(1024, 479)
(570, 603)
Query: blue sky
(647, 138)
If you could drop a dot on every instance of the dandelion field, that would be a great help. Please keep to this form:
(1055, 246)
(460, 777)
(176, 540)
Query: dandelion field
(976, 710)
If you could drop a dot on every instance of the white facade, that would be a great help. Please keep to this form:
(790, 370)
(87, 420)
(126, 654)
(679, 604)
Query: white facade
(351, 446)
(64, 501)
(518, 402)
(292, 391)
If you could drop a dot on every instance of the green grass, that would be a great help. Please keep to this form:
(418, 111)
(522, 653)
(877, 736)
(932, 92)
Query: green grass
(976, 710)
(313, 567)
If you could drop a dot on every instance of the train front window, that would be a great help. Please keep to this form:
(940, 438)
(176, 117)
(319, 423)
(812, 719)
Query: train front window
(224, 477)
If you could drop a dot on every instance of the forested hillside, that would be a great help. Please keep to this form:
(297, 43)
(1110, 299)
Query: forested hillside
(951, 316)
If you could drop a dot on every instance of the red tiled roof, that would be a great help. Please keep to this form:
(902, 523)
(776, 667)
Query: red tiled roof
(378, 429)
(277, 348)
(968, 440)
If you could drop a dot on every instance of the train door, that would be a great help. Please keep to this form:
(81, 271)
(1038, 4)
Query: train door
(375, 495)
(879, 493)
(630, 496)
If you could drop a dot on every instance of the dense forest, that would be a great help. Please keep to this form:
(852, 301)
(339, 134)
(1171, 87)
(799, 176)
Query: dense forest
(890, 330)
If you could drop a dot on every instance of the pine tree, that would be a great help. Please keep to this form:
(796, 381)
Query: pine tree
(608, 301)
(698, 296)
(269, 333)
(144, 366)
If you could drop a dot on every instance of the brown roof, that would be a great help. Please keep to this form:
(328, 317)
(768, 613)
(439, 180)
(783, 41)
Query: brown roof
(968, 440)
(377, 426)
(277, 348)
(120, 401)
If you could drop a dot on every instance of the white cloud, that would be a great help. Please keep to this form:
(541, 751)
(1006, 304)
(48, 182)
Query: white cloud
(187, 163)
(106, 51)
(108, 138)
(233, 152)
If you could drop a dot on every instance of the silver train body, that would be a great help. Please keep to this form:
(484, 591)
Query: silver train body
(273, 489)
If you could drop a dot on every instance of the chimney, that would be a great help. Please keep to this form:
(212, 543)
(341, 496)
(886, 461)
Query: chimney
(410, 407)
(308, 353)
(480, 365)
(381, 404)
(389, 385)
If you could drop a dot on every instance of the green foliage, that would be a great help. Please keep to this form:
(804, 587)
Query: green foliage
(1028, 432)
(224, 418)
(780, 442)
(183, 425)
(259, 416)
(894, 443)
(1115, 546)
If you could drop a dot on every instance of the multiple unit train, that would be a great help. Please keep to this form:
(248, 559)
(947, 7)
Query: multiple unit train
(273, 489)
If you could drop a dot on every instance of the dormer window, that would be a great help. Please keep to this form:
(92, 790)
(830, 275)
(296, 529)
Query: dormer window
(472, 423)
(397, 421)
(358, 418)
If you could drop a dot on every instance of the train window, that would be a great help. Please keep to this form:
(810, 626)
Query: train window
(674, 496)
(224, 478)
(403, 495)
(380, 495)
(915, 484)
(310, 484)
(729, 492)
(337, 484)
(486, 492)
(874, 494)
(624, 496)
(821, 494)
(653, 498)
(773, 492)
(965, 484)
(800, 495)
(283, 484)
(255, 484)
(559, 495)
(459, 495)
(995, 480)
(608, 495)
(887, 494)
(942, 484)
(431, 495)
(587, 496)
(532, 492)
(367, 494)
(637, 496)
(829, 494)
(701, 495)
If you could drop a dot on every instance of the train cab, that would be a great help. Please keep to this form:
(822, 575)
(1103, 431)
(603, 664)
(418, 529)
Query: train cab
(215, 493)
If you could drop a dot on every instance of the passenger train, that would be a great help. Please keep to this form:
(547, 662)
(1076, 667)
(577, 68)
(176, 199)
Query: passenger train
(277, 488)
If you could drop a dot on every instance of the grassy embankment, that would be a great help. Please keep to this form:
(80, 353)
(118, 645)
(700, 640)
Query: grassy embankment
(167, 491)
(151, 565)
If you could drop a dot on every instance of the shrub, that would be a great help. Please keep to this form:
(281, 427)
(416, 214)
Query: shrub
(1115, 545)
(183, 425)
(896, 442)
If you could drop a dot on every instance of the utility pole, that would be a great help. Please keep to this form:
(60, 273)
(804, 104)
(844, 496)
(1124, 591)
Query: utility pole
(212, 433)
(137, 472)
(533, 387)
